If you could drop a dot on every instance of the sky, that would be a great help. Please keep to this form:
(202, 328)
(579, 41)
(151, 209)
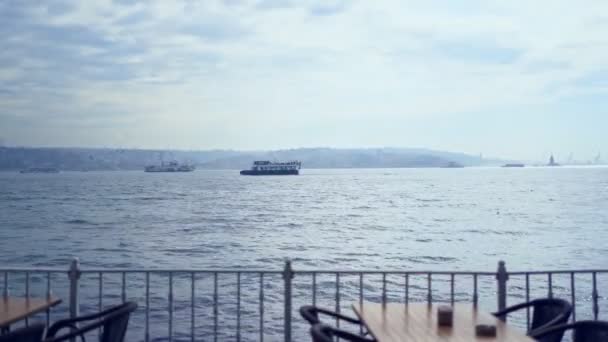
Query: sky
(511, 79)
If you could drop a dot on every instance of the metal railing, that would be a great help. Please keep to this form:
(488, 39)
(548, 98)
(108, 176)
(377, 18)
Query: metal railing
(260, 304)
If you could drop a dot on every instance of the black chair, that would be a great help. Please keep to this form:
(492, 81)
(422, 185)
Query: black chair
(33, 333)
(113, 323)
(326, 333)
(583, 331)
(311, 314)
(547, 312)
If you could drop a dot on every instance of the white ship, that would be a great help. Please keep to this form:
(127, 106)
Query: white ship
(40, 170)
(172, 166)
(268, 168)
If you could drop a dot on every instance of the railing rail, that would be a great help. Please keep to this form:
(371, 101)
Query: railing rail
(250, 314)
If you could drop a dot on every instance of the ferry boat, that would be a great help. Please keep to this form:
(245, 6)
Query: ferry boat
(453, 165)
(40, 170)
(514, 165)
(268, 168)
(172, 166)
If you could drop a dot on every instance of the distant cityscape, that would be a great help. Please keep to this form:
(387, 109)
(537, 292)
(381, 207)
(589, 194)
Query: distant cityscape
(89, 159)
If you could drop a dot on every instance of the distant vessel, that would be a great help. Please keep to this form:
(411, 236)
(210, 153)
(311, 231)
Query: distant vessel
(514, 165)
(172, 166)
(40, 170)
(267, 168)
(552, 162)
(453, 165)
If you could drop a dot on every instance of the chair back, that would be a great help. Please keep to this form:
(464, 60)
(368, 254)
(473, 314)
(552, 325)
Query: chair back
(113, 323)
(33, 333)
(325, 333)
(583, 331)
(590, 331)
(550, 312)
(321, 333)
(310, 314)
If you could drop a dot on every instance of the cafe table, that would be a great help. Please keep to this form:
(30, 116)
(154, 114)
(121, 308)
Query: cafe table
(399, 322)
(14, 309)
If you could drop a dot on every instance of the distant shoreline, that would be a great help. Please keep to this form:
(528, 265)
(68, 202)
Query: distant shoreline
(106, 159)
(347, 168)
(16, 158)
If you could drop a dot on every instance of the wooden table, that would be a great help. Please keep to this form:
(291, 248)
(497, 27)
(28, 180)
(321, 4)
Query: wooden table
(14, 309)
(394, 322)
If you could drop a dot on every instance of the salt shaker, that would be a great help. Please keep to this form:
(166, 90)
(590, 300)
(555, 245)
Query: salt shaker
(445, 315)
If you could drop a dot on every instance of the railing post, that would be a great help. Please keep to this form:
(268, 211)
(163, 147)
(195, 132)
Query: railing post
(501, 280)
(5, 290)
(74, 276)
(287, 277)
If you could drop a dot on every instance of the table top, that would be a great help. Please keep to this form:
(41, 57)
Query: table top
(394, 322)
(14, 309)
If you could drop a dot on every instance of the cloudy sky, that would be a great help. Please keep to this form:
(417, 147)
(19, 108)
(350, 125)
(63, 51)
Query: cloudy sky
(514, 78)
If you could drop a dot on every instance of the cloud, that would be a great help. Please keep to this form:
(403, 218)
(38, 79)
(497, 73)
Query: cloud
(301, 67)
(477, 52)
(274, 4)
(329, 7)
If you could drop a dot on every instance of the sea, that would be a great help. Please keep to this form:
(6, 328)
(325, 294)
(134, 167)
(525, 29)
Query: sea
(533, 218)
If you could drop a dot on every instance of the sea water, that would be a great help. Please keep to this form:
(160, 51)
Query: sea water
(355, 219)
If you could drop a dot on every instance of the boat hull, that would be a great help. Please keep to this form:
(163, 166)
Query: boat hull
(183, 168)
(270, 173)
(170, 170)
(40, 170)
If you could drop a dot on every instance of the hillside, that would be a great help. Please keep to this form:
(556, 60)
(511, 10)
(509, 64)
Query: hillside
(15, 158)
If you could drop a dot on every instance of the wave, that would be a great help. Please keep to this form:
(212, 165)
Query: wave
(495, 232)
(425, 259)
(363, 207)
(188, 251)
(432, 259)
(80, 221)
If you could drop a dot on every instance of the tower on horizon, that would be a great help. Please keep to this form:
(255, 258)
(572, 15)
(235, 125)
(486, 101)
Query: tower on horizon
(552, 161)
